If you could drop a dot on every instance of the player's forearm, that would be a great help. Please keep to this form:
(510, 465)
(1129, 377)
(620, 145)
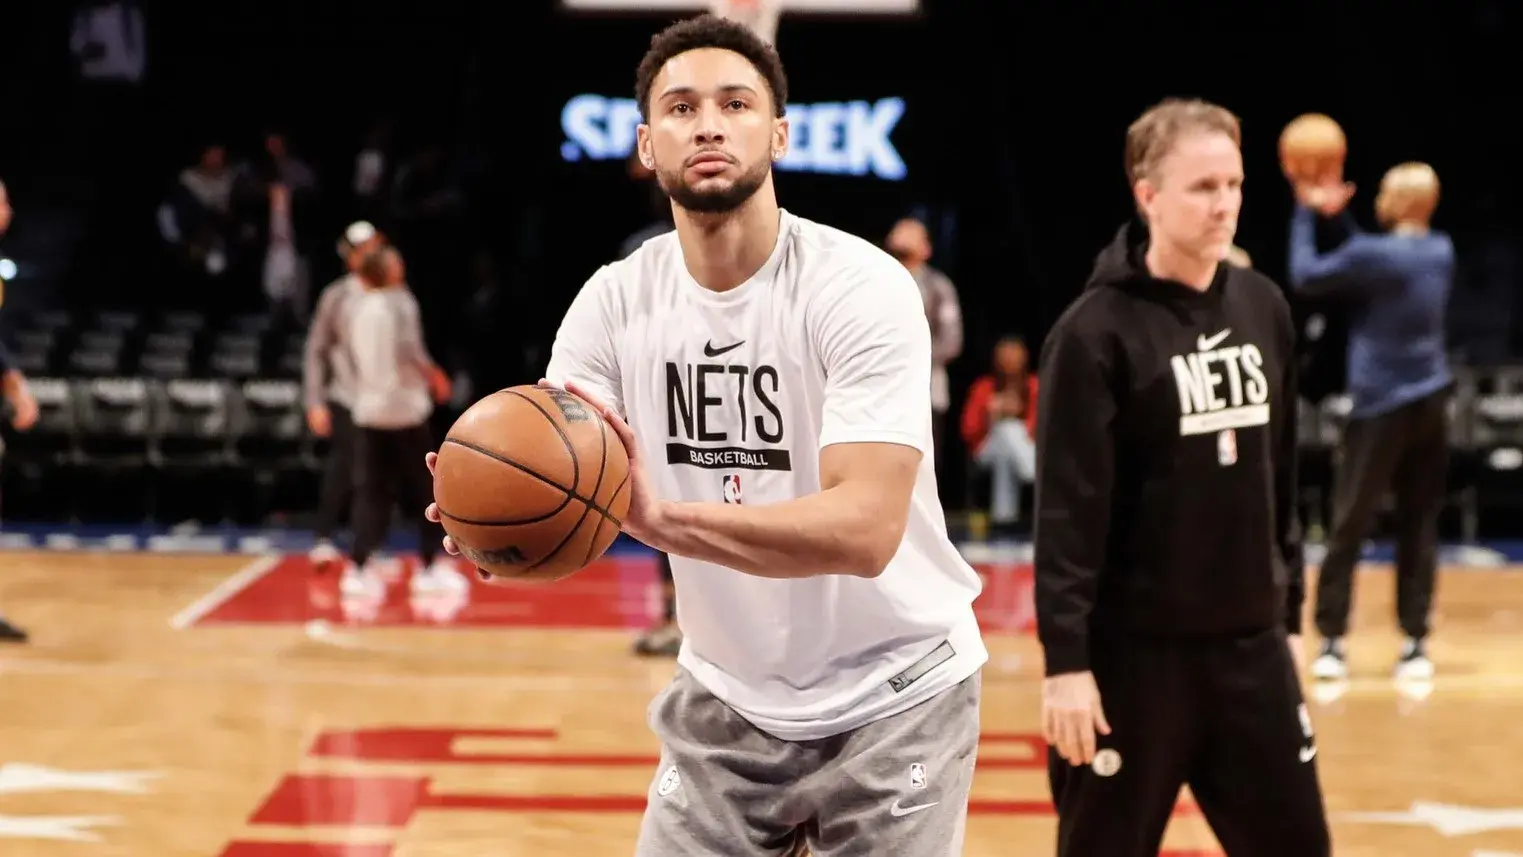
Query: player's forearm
(837, 531)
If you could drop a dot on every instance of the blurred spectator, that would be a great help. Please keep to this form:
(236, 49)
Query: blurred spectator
(196, 221)
(280, 193)
(910, 242)
(109, 41)
(998, 424)
(373, 169)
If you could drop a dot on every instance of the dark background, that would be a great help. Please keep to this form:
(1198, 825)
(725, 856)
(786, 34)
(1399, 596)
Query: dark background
(1013, 134)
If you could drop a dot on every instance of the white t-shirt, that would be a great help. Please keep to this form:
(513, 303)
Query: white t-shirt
(731, 396)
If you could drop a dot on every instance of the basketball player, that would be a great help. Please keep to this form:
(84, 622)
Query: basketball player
(17, 396)
(1397, 437)
(774, 375)
(1168, 554)
(393, 400)
(328, 382)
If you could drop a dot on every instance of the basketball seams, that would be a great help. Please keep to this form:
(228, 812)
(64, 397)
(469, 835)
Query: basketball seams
(576, 465)
(587, 507)
(502, 459)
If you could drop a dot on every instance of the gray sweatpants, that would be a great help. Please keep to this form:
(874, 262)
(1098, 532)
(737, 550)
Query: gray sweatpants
(724, 788)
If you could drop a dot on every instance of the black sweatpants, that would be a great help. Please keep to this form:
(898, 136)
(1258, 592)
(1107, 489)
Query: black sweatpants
(338, 474)
(1224, 716)
(388, 467)
(1406, 452)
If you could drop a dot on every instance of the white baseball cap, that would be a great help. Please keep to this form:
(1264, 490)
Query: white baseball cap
(356, 234)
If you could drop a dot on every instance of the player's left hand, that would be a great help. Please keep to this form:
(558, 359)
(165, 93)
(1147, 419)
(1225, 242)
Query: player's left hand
(643, 520)
(432, 512)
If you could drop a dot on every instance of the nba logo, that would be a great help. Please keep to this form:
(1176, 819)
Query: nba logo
(732, 489)
(917, 776)
(1226, 448)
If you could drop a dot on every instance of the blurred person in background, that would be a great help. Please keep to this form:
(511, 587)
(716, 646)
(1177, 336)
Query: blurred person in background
(328, 386)
(999, 427)
(1396, 285)
(663, 639)
(279, 192)
(396, 385)
(910, 242)
(17, 399)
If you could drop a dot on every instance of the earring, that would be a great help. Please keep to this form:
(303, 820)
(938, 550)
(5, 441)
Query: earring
(777, 154)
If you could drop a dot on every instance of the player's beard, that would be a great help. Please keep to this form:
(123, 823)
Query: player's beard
(718, 201)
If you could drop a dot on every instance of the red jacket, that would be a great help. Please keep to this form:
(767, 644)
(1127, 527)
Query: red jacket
(975, 412)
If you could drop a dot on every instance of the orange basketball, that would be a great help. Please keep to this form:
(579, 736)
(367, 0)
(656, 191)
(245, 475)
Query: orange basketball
(532, 484)
(1313, 148)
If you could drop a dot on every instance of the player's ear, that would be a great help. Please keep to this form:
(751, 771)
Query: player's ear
(780, 130)
(643, 146)
(1143, 193)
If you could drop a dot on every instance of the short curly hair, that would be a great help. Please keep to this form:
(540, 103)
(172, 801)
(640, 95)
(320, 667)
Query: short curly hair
(711, 31)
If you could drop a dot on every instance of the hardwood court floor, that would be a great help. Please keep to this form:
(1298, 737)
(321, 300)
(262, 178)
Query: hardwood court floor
(149, 720)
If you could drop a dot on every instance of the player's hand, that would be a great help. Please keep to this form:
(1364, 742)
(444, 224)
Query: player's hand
(432, 512)
(642, 521)
(1328, 199)
(24, 410)
(1071, 715)
(439, 384)
(319, 420)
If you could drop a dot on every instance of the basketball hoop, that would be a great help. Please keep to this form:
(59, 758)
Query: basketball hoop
(760, 15)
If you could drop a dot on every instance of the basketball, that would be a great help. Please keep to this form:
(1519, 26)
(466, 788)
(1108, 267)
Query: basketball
(1313, 148)
(532, 484)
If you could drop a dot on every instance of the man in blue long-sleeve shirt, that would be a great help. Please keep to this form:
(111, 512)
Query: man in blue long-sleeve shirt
(1397, 286)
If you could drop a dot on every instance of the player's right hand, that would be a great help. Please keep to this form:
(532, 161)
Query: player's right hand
(319, 420)
(1071, 716)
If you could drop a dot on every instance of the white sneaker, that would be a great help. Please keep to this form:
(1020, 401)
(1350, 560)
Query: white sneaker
(324, 556)
(440, 576)
(1332, 663)
(1414, 665)
(362, 583)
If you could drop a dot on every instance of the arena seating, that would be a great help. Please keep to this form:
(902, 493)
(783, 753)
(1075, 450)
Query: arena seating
(161, 420)
(181, 417)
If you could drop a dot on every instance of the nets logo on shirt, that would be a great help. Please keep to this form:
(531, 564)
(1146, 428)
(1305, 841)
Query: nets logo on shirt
(724, 417)
(1221, 387)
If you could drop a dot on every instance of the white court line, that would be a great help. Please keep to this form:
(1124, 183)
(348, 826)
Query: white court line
(224, 592)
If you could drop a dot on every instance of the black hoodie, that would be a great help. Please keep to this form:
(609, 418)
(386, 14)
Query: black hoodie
(1166, 460)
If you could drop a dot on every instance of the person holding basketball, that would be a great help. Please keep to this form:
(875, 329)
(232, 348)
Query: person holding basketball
(770, 379)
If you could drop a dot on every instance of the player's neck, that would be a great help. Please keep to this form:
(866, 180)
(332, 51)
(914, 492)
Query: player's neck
(725, 250)
(1167, 262)
(1409, 227)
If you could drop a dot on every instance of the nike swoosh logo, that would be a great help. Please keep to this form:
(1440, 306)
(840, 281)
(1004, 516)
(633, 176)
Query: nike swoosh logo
(898, 811)
(710, 351)
(1206, 343)
(1308, 753)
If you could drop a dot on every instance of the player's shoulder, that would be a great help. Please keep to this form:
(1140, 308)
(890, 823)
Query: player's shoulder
(824, 257)
(1094, 314)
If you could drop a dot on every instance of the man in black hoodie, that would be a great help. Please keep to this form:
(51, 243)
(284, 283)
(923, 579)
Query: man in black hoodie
(1168, 555)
